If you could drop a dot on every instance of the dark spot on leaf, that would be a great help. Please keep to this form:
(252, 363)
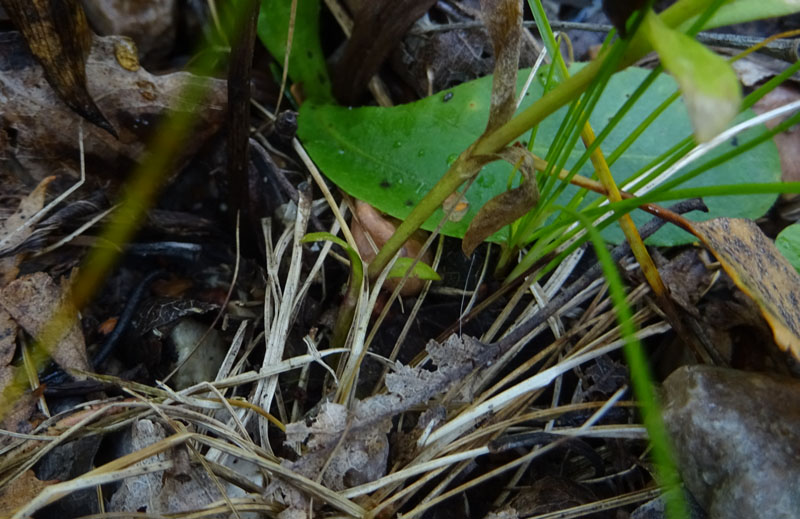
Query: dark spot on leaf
(409, 203)
(472, 105)
(385, 184)
(448, 96)
(735, 141)
(309, 54)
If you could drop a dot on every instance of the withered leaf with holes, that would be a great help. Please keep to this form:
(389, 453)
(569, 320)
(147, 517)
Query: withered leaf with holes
(58, 35)
(760, 271)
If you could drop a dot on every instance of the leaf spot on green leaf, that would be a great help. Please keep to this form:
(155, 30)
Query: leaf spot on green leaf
(385, 184)
(448, 96)
(409, 203)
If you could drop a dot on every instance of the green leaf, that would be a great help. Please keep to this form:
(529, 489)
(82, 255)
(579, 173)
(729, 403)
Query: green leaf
(306, 61)
(421, 270)
(391, 157)
(708, 83)
(788, 242)
(740, 11)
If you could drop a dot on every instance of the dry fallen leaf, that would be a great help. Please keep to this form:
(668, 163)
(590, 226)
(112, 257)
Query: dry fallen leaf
(33, 301)
(58, 35)
(20, 492)
(760, 271)
(40, 135)
(12, 237)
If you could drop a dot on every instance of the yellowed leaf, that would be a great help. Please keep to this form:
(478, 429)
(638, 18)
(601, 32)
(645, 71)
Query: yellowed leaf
(760, 271)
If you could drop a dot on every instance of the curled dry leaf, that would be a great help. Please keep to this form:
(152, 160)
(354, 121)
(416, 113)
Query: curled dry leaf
(33, 301)
(58, 35)
(39, 134)
(508, 206)
(371, 230)
(760, 271)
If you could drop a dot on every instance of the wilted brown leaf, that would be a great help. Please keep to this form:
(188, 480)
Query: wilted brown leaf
(33, 301)
(39, 134)
(507, 207)
(59, 37)
(760, 271)
(20, 492)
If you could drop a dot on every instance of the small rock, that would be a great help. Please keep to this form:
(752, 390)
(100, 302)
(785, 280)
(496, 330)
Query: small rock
(736, 435)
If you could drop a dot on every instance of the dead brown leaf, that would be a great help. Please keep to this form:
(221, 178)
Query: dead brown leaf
(507, 207)
(20, 492)
(39, 134)
(760, 271)
(58, 35)
(503, 20)
(34, 301)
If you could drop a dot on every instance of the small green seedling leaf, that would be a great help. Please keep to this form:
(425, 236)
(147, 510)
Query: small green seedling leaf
(421, 270)
(355, 260)
(708, 83)
(306, 61)
(788, 242)
(391, 157)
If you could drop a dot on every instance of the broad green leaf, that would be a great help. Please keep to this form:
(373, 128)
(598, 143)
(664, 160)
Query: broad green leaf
(306, 61)
(421, 270)
(788, 242)
(390, 157)
(708, 83)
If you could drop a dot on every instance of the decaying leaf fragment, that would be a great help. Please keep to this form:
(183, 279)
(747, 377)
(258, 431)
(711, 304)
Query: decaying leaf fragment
(58, 35)
(508, 206)
(33, 301)
(760, 271)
